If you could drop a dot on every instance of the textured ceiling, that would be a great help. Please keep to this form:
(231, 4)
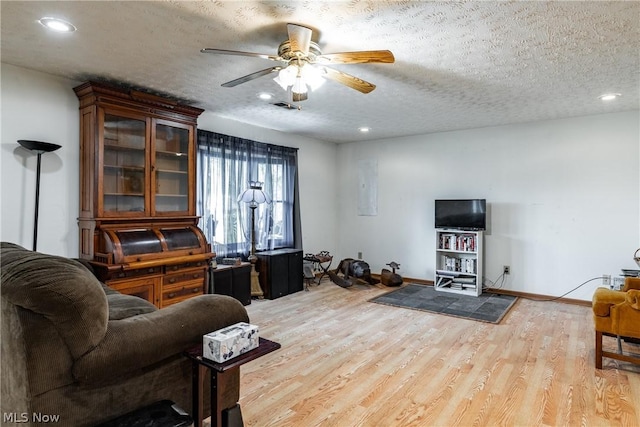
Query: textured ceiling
(458, 64)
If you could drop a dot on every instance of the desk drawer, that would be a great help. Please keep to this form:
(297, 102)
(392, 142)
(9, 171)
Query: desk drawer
(174, 294)
(177, 267)
(184, 276)
(125, 274)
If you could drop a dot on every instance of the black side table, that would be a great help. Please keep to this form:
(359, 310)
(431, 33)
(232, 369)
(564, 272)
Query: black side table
(219, 372)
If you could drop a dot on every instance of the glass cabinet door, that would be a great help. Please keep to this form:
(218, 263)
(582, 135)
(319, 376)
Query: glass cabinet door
(171, 192)
(124, 165)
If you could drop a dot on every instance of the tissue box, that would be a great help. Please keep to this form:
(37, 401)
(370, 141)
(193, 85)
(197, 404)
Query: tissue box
(227, 343)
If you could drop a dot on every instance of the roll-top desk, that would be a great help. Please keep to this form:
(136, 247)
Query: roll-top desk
(162, 264)
(138, 223)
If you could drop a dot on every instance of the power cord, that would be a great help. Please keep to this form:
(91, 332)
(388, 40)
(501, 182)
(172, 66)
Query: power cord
(502, 278)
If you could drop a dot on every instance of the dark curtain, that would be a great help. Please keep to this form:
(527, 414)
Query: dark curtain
(226, 165)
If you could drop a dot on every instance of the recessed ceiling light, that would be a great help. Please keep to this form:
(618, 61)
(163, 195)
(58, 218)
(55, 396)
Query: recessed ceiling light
(264, 95)
(364, 129)
(56, 24)
(609, 96)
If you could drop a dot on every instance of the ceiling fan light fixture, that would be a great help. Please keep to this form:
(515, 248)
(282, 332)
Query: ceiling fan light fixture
(312, 76)
(278, 80)
(287, 76)
(299, 97)
(299, 76)
(299, 86)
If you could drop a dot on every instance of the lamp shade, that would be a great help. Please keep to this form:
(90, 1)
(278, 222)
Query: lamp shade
(38, 146)
(254, 195)
(287, 76)
(312, 76)
(299, 86)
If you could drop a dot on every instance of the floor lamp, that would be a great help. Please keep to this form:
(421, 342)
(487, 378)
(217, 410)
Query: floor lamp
(254, 196)
(39, 147)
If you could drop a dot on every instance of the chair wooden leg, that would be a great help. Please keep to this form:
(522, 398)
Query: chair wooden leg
(598, 350)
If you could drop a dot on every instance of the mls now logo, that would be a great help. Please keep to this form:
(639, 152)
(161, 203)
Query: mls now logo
(15, 417)
(25, 417)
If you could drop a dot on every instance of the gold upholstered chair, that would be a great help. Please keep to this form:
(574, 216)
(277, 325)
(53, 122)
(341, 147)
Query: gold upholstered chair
(617, 313)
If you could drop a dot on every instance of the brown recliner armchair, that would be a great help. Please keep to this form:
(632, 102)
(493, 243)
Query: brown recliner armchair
(617, 313)
(75, 350)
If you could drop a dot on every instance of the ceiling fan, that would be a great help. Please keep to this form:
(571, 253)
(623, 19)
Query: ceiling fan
(304, 65)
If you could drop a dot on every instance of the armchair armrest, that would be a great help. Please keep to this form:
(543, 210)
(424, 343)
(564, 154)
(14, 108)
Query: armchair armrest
(136, 342)
(633, 298)
(626, 316)
(603, 299)
(631, 283)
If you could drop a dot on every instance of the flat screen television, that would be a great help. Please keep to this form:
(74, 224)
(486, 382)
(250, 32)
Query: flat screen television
(467, 214)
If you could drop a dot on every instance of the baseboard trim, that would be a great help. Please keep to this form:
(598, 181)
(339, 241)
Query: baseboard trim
(536, 297)
(407, 280)
(418, 281)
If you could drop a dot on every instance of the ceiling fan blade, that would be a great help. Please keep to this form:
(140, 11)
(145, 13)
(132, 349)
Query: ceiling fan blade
(348, 80)
(251, 76)
(239, 53)
(367, 56)
(299, 38)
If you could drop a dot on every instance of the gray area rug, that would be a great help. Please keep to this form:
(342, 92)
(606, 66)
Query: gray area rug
(485, 308)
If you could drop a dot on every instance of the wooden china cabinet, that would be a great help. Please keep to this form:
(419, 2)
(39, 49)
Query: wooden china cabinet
(138, 223)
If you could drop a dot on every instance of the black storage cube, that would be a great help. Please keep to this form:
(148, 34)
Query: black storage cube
(234, 281)
(280, 272)
(242, 284)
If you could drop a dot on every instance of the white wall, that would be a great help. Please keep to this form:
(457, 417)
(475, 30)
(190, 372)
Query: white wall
(563, 196)
(41, 107)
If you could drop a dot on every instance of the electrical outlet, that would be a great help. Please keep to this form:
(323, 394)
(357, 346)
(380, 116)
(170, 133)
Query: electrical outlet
(359, 255)
(617, 283)
(506, 270)
(606, 280)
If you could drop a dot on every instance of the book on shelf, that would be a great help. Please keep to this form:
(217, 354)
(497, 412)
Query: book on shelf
(458, 242)
(447, 273)
(461, 286)
(465, 285)
(443, 281)
(455, 282)
(467, 280)
(462, 265)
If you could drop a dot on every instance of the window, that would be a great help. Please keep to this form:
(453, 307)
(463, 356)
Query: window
(226, 165)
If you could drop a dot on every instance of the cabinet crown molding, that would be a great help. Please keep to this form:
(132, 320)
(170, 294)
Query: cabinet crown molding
(96, 92)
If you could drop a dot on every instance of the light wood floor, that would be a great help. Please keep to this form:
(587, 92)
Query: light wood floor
(348, 362)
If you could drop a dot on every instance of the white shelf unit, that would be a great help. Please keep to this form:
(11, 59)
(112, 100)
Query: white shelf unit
(459, 261)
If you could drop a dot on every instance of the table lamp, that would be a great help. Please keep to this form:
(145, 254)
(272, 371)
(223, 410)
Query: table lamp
(254, 196)
(39, 147)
